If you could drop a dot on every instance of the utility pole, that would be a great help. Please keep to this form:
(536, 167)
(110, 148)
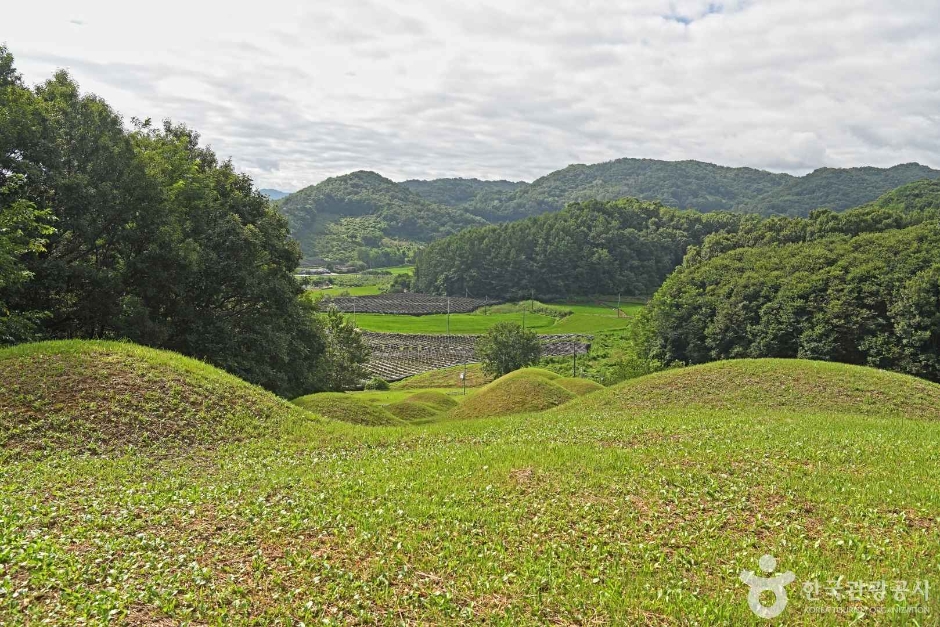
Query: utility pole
(486, 302)
(448, 315)
(618, 305)
(523, 317)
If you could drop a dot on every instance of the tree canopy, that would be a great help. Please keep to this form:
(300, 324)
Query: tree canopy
(625, 246)
(859, 287)
(156, 240)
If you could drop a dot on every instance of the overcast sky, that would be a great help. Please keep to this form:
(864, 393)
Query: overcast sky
(507, 89)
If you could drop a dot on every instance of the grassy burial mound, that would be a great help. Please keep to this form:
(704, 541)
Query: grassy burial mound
(412, 411)
(434, 398)
(100, 397)
(423, 406)
(777, 384)
(347, 408)
(579, 386)
(522, 391)
(445, 378)
(629, 506)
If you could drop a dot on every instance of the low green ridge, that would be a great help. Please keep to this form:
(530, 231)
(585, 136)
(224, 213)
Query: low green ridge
(346, 408)
(579, 386)
(530, 372)
(438, 400)
(776, 384)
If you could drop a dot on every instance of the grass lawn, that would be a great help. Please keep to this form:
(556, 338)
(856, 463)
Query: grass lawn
(641, 504)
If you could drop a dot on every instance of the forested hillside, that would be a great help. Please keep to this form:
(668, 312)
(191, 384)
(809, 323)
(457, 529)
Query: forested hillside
(682, 184)
(859, 287)
(630, 246)
(462, 192)
(366, 217)
(835, 188)
(704, 187)
(627, 246)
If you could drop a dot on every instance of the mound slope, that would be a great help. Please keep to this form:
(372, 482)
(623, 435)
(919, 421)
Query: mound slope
(443, 378)
(776, 384)
(438, 400)
(412, 411)
(518, 392)
(99, 397)
(579, 386)
(345, 408)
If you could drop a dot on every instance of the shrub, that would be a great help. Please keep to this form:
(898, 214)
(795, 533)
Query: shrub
(507, 347)
(376, 383)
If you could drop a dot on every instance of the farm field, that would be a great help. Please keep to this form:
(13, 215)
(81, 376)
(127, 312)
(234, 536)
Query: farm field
(585, 319)
(459, 323)
(359, 290)
(638, 504)
(399, 269)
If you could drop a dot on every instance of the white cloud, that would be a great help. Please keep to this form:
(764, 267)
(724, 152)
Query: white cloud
(508, 89)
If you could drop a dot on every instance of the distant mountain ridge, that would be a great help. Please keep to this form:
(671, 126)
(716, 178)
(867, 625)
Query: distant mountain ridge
(274, 194)
(367, 217)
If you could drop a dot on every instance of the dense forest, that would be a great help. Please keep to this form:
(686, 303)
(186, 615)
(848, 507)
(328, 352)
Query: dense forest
(144, 234)
(367, 218)
(594, 247)
(463, 192)
(630, 246)
(861, 287)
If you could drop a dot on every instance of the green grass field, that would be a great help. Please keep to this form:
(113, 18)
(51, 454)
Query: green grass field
(361, 290)
(587, 318)
(399, 269)
(639, 504)
(459, 323)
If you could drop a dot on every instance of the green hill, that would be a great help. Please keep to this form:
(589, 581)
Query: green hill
(345, 216)
(366, 217)
(105, 397)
